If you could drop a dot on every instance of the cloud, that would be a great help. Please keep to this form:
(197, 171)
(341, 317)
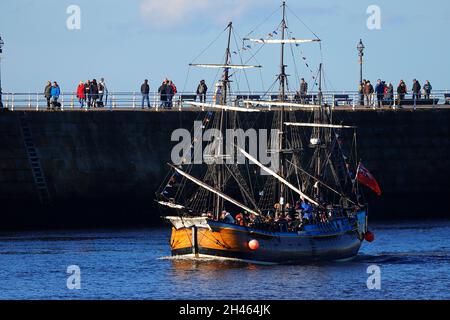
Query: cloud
(170, 13)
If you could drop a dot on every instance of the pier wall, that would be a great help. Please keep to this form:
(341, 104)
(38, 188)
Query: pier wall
(103, 168)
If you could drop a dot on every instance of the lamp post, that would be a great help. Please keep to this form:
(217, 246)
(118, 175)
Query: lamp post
(360, 47)
(1, 51)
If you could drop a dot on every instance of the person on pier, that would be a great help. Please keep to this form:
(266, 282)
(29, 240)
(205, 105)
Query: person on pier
(102, 90)
(47, 93)
(427, 89)
(368, 93)
(55, 93)
(81, 95)
(145, 91)
(401, 92)
(202, 89)
(379, 89)
(416, 89)
(87, 93)
(303, 90)
(94, 93)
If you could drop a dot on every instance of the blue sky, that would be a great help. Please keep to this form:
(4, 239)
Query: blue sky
(128, 41)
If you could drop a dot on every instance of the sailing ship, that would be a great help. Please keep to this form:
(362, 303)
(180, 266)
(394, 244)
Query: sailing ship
(306, 209)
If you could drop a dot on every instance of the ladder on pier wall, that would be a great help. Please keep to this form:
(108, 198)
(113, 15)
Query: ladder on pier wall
(34, 160)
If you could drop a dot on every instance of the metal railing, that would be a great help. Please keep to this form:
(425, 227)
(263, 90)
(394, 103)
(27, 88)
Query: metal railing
(133, 100)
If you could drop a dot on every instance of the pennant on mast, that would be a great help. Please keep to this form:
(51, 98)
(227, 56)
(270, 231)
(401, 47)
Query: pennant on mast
(281, 41)
(171, 205)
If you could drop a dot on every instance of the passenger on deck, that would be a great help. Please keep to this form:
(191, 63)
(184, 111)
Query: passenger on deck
(240, 220)
(277, 209)
(250, 218)
(307, 208)
(290, 211)
(307, 217)
(227, 217)
(283, 222)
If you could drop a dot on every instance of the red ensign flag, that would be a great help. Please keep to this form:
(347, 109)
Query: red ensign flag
(366, 178)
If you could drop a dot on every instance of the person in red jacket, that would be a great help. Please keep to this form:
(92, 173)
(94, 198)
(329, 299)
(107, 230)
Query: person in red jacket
(174, 92)
(81, 95)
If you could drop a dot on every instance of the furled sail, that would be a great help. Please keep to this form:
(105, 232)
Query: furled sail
(280, 104)
(171, 205)
(211, 189)
(183, 222)
(279, 41)
(219, 106)
(318, 125)
(218, 66)
(277, 176)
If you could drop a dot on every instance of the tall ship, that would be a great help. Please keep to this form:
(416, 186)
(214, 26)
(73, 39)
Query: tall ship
(306, 205)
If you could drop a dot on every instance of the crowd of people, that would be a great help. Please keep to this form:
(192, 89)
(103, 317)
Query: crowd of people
(167, 91)
(92, 93)
(384, 92)
(89, 94)
(51, 94)
(381, 94)
(291, 219)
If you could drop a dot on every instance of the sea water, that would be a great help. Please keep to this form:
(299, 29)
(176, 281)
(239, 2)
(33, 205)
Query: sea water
(406, 261)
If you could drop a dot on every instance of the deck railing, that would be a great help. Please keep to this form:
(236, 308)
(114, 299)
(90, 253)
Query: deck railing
(133, 100)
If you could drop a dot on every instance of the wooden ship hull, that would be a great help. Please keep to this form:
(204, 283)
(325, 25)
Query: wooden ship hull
(337, 240)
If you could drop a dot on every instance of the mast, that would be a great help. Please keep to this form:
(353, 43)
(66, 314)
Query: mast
(318, 119)
(225, 83)
(282, 98)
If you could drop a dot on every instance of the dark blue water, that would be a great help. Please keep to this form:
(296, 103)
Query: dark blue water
(414, 259)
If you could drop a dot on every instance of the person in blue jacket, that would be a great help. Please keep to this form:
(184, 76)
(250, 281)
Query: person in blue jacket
(55, 93)
(379, 90)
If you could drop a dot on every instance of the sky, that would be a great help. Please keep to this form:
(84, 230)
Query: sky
(128, 41)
